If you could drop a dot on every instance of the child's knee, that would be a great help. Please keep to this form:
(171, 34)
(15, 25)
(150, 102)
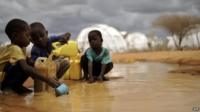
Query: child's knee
(110, 65)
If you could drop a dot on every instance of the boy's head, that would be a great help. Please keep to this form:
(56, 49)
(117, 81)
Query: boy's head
(18, 32)
(39, 34)
(95, 39)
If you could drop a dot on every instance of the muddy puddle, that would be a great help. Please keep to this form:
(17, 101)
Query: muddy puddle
(137, 87)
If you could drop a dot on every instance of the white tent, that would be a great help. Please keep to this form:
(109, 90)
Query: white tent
(137, 41)
(171, 42)
(192, 39)
(112, 39)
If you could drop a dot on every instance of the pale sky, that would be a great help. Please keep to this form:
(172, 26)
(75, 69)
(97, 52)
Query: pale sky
(74, 15)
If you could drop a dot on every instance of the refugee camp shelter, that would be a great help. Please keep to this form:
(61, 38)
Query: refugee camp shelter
(112, 38)
(137, 41)
(192, 39)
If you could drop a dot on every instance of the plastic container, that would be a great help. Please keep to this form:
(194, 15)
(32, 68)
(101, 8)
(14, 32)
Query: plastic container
(74, 71)
(56, 45)
(61, 90)
(66, 75)
(40, 66)
(75, 68)
(68, 50)
(1, 79)
(47, 67)
(56, 52)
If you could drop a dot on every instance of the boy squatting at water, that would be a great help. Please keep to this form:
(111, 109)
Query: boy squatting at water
(96, 61)
(42, 46)
(13, 61)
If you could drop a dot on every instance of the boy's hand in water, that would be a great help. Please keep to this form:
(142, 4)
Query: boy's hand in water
(53, 82)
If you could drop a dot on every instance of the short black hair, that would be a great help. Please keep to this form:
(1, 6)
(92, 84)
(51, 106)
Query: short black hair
(37, 25)
(98, 33)
(15, 25)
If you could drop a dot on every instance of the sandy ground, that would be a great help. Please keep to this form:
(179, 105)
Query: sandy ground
(189, 58)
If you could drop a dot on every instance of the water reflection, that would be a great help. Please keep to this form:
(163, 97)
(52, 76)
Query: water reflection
(155, 89)
(147, 87)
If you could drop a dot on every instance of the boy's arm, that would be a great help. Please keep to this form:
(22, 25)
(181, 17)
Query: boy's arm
(65, 38)
(91, 79)
(36, 75)
(61, 38)
(35, 53)
(103, 67)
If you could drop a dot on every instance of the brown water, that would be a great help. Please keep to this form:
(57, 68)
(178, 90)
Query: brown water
(138, 87)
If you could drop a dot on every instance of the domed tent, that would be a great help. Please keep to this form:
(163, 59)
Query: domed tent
(171, 42)
(112, 39)
(137, 41)
(192, 39)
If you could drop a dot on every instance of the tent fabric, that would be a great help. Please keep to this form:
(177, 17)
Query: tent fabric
(112, 38)
(137, 41)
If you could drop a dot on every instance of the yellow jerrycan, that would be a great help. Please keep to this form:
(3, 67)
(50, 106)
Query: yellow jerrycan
(1, 79)
(68, 50)
(74, 71)
(47, 67)
(75, 68)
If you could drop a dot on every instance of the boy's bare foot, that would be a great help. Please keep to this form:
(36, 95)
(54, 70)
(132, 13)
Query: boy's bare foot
(91, 80)
(100, 78)
(84, 79)
(105, 78)
(22, 90)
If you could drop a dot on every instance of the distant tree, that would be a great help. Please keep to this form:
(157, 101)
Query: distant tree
(177, 25)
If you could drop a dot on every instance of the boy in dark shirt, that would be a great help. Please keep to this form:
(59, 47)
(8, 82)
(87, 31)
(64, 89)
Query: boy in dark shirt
(42, 46)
